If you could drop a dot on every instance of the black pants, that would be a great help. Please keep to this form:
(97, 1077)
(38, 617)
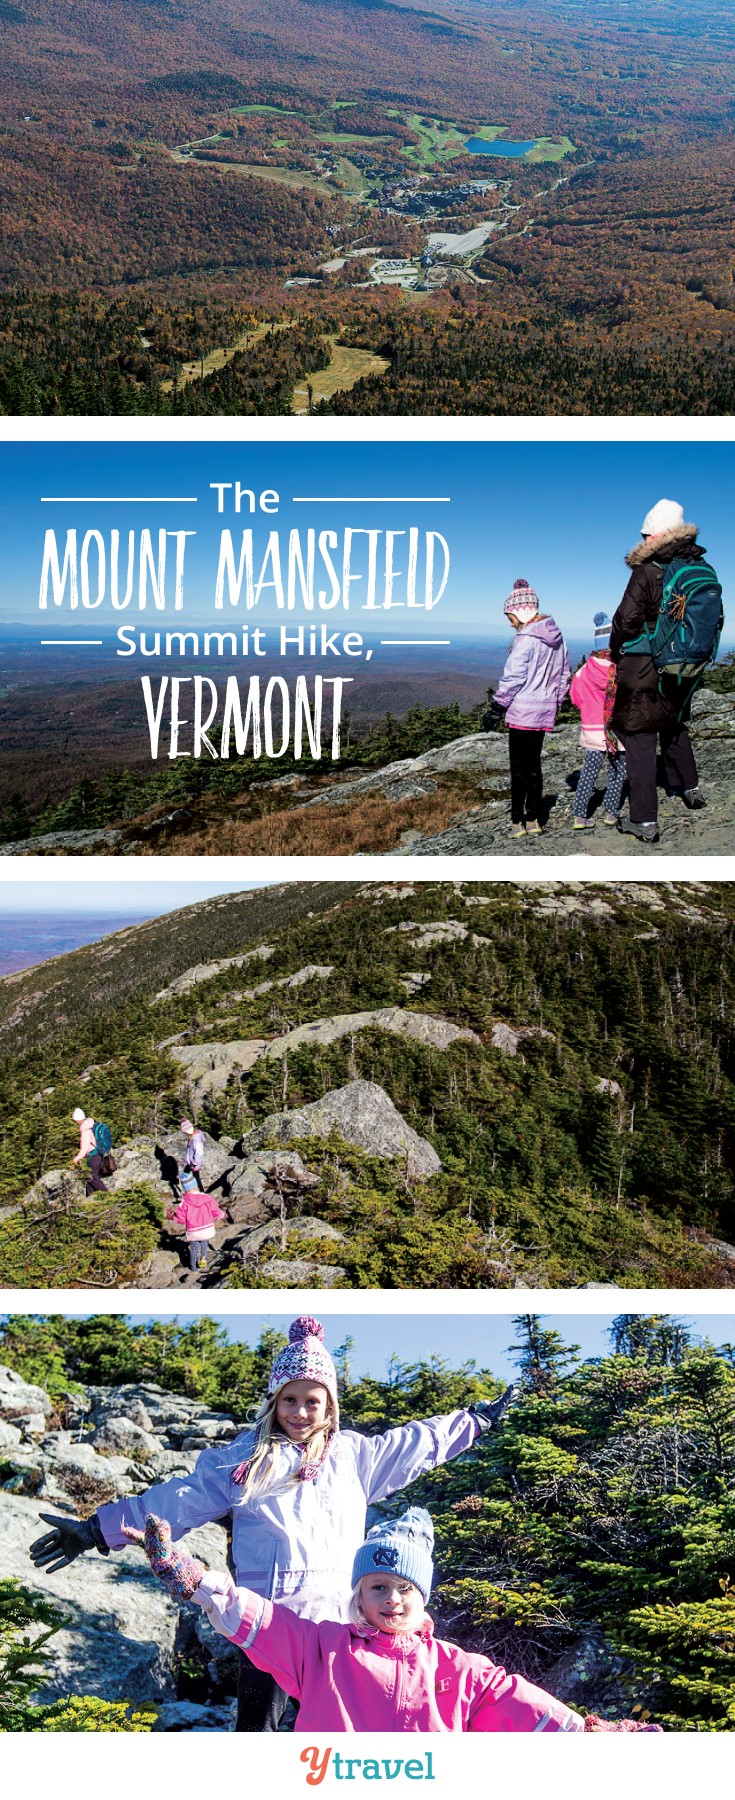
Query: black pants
(94, 1184)
(677, 756)
(526, 781)
(261, 1703)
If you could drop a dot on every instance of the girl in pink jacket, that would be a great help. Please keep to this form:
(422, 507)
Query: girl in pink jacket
(198, 1214)
(385, 1671)
(593, 692)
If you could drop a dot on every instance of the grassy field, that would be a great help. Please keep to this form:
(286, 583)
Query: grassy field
(439, 139)
(346, 367)
(350, 137)
(545, 150)
(284, 112)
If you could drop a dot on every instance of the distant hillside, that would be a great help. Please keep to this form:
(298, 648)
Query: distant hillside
(408, 1085)
(68, 991)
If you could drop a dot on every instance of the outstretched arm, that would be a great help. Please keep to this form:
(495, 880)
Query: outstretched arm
(68, 1539)
(393, 1458)
(274, 1637)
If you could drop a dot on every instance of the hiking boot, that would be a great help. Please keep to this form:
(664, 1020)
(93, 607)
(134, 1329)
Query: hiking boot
(533, 829)
(517, 831)
(584, 824)
(647, 832)
(694, 799)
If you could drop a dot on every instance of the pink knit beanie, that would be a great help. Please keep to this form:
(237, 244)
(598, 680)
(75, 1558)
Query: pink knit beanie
(305, 1358)
(522, 601)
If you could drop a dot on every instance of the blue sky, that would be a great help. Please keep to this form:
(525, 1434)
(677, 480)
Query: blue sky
(140, 899)
(562, 515)
(458, 1338)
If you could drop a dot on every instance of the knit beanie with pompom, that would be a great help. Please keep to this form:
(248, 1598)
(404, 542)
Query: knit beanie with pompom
(522, 601)
(306, 1358)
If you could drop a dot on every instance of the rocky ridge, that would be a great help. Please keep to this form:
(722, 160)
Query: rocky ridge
(477, 765)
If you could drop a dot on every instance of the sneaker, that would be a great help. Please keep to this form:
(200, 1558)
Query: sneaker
(694, 799)
(584, 825)
(533, 829)
(610, 818)
(647, 832)
(517, 831)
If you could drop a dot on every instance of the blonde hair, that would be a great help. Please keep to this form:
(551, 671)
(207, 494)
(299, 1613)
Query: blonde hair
(268, 1434)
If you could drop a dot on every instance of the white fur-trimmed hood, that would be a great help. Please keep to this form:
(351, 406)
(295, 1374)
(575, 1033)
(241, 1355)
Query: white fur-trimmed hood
(650, 550)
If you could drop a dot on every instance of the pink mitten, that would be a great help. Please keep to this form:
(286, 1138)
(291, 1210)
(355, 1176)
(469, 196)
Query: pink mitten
(180, 1574)
(593, 1722)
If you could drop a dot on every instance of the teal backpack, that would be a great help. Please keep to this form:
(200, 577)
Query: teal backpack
(102, 1138)
(686, 635)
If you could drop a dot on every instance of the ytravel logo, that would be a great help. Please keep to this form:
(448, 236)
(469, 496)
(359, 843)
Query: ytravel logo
(320, 1762)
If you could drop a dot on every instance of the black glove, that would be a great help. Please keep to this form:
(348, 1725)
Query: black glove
(490, 1413)
(494, 717)
(68, 1540)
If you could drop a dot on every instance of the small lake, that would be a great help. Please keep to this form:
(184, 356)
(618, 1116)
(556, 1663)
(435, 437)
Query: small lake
(499, 147)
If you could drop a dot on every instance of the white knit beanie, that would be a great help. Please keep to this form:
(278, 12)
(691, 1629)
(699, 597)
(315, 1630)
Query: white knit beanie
(666, 515)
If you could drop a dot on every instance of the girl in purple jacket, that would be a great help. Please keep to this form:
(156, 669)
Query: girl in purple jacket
(533, 684)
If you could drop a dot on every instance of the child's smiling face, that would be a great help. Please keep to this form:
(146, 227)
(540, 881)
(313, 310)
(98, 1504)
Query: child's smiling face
(301, 1407)
(391, 1603)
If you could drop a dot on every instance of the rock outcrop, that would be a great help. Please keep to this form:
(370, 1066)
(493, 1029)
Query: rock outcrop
(205, 971)
(209, 1067)
(363, 1114)
(121, 1634)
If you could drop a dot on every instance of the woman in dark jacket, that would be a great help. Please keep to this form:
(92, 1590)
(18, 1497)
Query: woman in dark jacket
(649, 707)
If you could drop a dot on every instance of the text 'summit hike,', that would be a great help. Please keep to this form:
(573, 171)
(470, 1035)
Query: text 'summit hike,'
(310, 571)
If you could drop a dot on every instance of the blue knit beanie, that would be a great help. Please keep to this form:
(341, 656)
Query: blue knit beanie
(401, 1547)
(603, 627)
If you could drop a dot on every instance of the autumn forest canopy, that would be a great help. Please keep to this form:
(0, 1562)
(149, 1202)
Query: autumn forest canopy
(177, 174)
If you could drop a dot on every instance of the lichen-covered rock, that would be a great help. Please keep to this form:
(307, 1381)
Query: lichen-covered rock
(207, 1067)
(363, 1114)
(422, 1028)
(122, 1437)
(259, 1173)
(300, 1273)
(19, 1398)
(511, 1038)
(119, 1639)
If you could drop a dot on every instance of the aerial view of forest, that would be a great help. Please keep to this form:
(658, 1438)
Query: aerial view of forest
(362, 207)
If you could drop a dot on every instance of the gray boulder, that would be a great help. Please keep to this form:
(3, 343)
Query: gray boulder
(363, 1114)
(122, 1437)
(255, 1174)
(207, 1067)
(158, 1159)
(119, 1637)
(301, 1273)
(511, 1038)
(19, 1398)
